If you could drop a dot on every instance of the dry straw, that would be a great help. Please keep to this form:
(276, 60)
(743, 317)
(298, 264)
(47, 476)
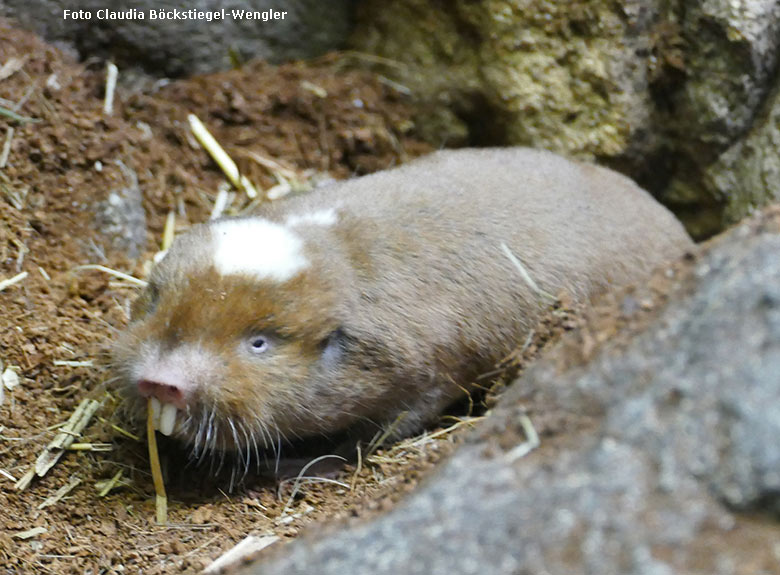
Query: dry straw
(220, 156)
(161, 500)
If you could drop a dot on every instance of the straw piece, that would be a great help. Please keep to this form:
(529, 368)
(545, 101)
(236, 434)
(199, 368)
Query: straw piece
(61, 492)
(30, 533)
(110, 484)
(525, 275)
(161, 500)
(221, 157)
(115, 273)
(9, 136)
(61, 442)
(11, 281)
(11, 67)
(168, 232)
(111, 75)
(66, 435)
(250, 545)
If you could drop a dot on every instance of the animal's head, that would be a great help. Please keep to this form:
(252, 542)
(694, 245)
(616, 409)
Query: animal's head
(237, 338)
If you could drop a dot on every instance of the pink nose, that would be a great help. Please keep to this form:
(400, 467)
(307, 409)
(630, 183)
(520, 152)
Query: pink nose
(164, 392)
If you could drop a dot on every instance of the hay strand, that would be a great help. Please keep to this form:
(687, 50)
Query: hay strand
(525, 275)
(220, 156)
(112, 72)
(115, 273)
(247, 547)
(65, 437)
(61, 492)
(11, 281)
(169, 231)
(531, 440)
(106, 486)
(161, 500)
(9, 136)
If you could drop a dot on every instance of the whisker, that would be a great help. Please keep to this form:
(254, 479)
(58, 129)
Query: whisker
(278, 451)
(248, 444)
(221, 457)
(257, 452)
(211, 433)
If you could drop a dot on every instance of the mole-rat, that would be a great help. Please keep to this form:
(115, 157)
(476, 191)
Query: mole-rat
(379, 299)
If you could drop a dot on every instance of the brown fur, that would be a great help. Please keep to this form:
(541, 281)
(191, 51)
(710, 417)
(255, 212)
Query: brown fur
(409, 291)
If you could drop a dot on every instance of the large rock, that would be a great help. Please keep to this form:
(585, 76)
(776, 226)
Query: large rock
(563, 76)
(731, 51)
(183, 47)
(730, 54)
(120, 218)
(659, 90)
(748, 173)
(677, 452)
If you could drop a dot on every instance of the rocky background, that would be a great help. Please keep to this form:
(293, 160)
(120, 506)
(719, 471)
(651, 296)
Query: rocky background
(186, 47)
(674, 466)
(679, 94)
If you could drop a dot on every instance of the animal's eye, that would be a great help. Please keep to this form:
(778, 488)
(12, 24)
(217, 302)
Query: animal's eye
(258, 344)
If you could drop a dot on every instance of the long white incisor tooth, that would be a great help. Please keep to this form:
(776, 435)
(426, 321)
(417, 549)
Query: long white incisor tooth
(167, 418)
(155, 412)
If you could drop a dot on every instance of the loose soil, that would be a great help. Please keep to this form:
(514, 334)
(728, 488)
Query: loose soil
(324, 119)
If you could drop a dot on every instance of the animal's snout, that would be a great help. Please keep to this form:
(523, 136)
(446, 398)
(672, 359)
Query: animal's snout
(164, 392)
(171, 380)
(167, 400)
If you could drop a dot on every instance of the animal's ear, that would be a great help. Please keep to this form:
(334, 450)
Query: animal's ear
(361, 349)
(146, 303)
(333, 348)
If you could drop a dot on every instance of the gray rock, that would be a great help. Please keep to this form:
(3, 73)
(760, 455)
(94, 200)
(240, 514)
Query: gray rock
(747, 175)
(730, 57)
(700, 389)
(120, 217)
(656, 89)
(183, 47)
(560, 76)
(484, 515)
(732, 51)
(690, 415)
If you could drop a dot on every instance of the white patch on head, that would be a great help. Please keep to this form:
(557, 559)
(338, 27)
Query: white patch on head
(320, 218)
(257, 247)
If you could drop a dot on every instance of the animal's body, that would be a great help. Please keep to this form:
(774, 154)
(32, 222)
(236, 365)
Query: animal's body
(377, 296)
